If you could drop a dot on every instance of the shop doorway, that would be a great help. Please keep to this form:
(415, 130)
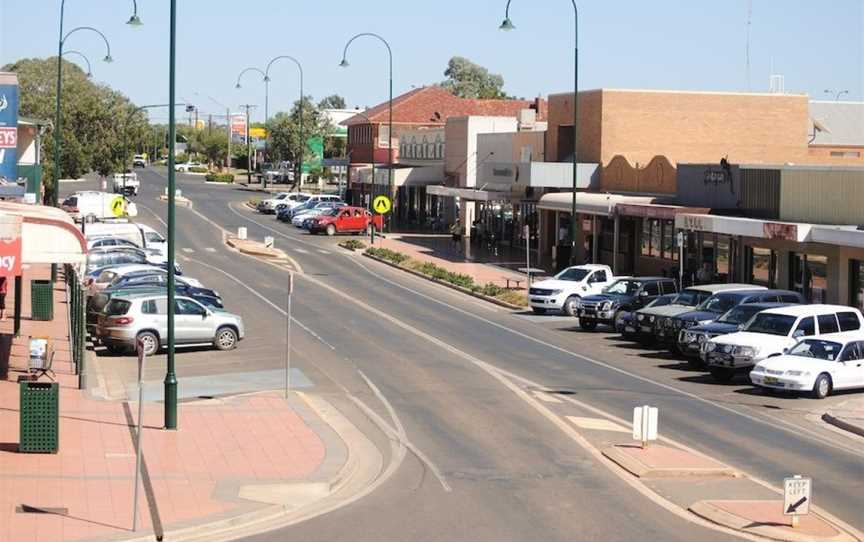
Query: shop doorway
(809, 276)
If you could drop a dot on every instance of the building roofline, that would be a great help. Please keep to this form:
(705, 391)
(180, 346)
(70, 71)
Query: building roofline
(700, 92)
(811, 167)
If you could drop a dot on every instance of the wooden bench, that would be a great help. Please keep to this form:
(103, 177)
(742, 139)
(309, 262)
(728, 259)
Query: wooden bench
(508, 280)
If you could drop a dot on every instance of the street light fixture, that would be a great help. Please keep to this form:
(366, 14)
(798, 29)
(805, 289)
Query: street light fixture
(344, 64)
(508, 25)
(83, 56)
(836, 94)
(266, 78)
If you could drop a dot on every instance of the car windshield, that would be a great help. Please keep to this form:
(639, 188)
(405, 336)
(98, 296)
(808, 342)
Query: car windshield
(573, 274)
(301, 199)
(816, 348)
(772, 324)
(739, 315)
(661, 301)
(718, 303)
(331, 212)
(689, 297)
(623, 287)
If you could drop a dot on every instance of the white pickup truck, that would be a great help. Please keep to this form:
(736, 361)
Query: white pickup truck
(126, 183)
(562, 291)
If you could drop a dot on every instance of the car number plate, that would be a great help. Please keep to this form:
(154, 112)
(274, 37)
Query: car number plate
(630, 329)
(771, 380)
(646, 329)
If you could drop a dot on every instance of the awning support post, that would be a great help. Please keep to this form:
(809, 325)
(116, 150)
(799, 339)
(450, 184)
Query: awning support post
(17, 317)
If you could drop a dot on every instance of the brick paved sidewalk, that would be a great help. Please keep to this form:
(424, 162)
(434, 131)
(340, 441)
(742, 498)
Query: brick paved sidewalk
(446, 255)
(193, 475)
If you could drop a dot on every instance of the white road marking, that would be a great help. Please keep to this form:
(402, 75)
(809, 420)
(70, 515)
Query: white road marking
(301, 250)
(322, 251)
(545, 397)
(188, 251)
(210, 249)
(598, 424)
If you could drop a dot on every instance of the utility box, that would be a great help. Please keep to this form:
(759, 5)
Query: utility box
(39, 422)
(42, 300)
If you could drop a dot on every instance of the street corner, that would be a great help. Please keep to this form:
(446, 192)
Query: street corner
(766, 519)
(847, 416)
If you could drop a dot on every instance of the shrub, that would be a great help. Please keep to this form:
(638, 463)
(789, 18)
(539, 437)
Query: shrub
(492, 290)
(387, 254)
(181, 158)
(465, 281)
(220, 178)
(514, 297)
(353, 244)
(198, 170)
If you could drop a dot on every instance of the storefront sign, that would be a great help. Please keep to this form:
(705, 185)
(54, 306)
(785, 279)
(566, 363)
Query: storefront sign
(664, 212)
(776, 230)
(238, 127)
(716, 177)
(10, 245)
(693, 223)
(9, 126)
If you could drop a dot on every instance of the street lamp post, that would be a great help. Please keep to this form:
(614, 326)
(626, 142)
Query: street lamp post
(344, 64)
(836, 94)
(508, 25)
(170, 397)
(266, 74)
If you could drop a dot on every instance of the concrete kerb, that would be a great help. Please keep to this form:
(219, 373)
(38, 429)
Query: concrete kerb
(711, 511)
(181, 201)
(254, 248)
(640, 469)
(363, 463)
(448, 285)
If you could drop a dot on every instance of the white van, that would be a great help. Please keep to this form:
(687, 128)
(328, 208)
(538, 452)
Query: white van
(94, 205)
(772, 331)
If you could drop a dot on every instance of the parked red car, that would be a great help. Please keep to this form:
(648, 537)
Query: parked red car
(346, 220)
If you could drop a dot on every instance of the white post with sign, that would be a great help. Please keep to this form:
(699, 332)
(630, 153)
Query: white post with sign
(139, 346)
(797, 494)
(268, 242)
(241, 233)
(645, 424)
(288, 335)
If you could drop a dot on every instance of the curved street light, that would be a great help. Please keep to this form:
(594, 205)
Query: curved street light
(344, 64)
(82, 55)
(836, 94)
(508, 25)
(265, 73)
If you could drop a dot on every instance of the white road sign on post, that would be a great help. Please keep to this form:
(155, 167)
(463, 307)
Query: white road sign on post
(268, 242)
(645, 424)
(241, 233)
(797, 494)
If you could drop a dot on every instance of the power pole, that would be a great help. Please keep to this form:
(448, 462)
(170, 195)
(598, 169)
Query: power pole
(228, 120)
(247, 107)
(210, 124)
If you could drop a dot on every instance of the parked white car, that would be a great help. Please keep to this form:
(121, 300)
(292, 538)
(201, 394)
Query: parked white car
(771, 332)
(268, 206)
(816, 365)
(562, 291)
(187, 166)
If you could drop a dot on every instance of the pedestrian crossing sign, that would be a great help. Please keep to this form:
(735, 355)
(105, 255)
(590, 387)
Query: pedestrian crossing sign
(382, 205)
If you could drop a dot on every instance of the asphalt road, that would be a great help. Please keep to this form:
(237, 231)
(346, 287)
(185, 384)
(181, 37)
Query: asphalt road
(512, 475)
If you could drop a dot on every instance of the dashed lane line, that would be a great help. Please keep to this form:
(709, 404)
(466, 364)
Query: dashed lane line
(210, 249)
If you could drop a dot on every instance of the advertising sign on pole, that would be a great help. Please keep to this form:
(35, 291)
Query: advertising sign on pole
(9, 126)
(238, 127)
(10, 245)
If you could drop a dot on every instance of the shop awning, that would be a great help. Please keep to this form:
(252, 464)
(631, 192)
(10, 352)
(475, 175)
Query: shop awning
(48, 234)
(745, 227)
(469, 194)
(844, 236)
(655, 210)
(589, 203)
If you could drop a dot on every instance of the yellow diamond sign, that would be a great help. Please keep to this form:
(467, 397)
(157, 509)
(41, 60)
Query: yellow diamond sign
(382, 205)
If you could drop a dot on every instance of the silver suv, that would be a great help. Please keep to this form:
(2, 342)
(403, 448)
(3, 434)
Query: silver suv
(128, 318)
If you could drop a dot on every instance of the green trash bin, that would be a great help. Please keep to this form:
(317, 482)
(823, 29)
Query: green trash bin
(42, 300)
(39, 417)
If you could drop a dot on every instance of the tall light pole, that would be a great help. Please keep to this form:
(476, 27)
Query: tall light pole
(170, 397)
(84, 57)
(344, 64)
(266, 78)
(508, 25)
(836, 94)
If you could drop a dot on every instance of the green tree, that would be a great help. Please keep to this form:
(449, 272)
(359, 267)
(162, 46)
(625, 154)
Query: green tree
(94, 118)
(469, 80)
(333, 101)
(283, 131)
(213, 145)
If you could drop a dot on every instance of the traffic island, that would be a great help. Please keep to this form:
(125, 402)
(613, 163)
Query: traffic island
(766, 519)
(658, 461)
(182, 201)
(254, 248)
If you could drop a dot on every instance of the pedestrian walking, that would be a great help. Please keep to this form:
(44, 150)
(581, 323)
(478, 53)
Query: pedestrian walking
(4, 286)
(456, 235)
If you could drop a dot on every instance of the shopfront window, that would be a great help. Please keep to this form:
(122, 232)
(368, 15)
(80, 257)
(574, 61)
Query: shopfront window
(722, 262)
(762, 266)
(658, 239)
(809, 276)
(646, 237)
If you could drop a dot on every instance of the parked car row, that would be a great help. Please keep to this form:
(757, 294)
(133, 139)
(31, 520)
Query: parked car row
(127, 280)
(773, 336)
(320, 213)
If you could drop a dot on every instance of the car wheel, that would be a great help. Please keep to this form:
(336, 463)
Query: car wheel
(570, 305)
(226, 339)
(587, 325)
(151, 342)
(822, 387)
(722, 374)
(538, 310)
(331, 230)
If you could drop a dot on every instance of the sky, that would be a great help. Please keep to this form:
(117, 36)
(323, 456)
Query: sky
(661, 44)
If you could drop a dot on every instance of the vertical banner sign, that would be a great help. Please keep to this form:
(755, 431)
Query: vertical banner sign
(8, 126)
(10, 245)
(238, 127)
